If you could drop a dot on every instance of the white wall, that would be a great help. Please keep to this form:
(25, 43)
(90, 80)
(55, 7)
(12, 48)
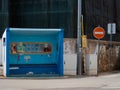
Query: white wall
(4, 54)
(70, 64)
(91, 64)
(0, 51)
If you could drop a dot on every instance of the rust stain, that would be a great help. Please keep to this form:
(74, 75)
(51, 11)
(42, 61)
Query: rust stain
(69, 46)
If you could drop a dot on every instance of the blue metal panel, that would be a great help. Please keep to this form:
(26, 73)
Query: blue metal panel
(7, 50)
(61, 63)
(35, 69)
(39, 63)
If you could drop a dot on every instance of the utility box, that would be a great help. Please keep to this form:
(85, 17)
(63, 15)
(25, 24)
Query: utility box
(70, 56)
(91, 64)
(32, 52)
(70, 64)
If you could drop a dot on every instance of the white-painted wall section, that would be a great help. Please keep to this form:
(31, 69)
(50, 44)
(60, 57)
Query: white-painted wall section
(4, 53)
(70, 57)
(0, 51)
(91, 64)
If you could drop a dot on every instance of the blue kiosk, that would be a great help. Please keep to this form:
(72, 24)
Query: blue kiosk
(32, 52)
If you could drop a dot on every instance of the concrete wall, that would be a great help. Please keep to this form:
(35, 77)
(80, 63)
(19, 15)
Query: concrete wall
(106, 61)
(0, 52)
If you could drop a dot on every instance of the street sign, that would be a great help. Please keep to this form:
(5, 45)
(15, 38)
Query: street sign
(99, 32)
(111, 28)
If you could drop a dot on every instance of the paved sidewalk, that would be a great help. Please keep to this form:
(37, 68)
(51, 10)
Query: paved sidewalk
(102, 82)
(107, 82)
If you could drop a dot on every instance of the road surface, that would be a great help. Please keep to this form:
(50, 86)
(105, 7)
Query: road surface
(106, 82)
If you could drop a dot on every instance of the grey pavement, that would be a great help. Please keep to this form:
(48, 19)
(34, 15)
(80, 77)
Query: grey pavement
(64, 89)
(106, 82)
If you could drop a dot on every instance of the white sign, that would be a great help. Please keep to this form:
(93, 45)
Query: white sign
(99, 32)
(111, 28)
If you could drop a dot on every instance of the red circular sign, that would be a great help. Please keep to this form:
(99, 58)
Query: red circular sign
(99, 32)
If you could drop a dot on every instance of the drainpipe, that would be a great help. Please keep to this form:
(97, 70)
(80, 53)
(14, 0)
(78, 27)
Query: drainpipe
(79, 49)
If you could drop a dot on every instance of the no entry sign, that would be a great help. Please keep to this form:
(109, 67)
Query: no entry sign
(99, 32)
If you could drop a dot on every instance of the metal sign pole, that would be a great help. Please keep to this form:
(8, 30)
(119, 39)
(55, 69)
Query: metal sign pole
(98, 33)
(111, 31)
(79, 50)
(98, 56)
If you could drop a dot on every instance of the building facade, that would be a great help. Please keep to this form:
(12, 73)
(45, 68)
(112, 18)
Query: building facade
(60, 14)
(40, 14)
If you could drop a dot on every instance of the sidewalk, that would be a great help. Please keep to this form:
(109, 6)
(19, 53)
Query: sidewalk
(105, 82)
